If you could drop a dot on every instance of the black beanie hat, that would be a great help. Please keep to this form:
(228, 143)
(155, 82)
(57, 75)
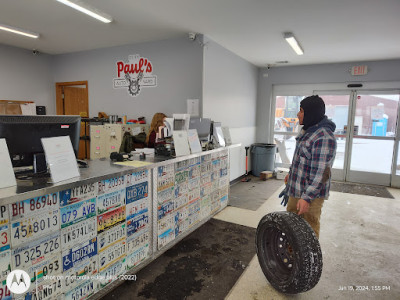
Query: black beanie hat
(314, 110)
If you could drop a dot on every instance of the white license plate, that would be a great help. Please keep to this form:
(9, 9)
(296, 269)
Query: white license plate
(49, 267)
(77, 275)
(33, 206)
(165, 195)
(166, 171)
(110, 201)
(166, 237)
(193, 183)
(48, 289)
(182, 227)
(112, 254)
(78, 254)
(78, 233)
(4, 237)
(181, 189)
(76, 212)
(110, 236)
(34, 227)
(137, 208)
(136, 223)
(181, 201)
(182, 213)
(181, 165)
(165, 209)
(76, 194)
(194, 195)
(4, 217)
(5, 264)
(137, 241)
(137, 177)
(194, 161)
(110, 274)
(165, 183)
(5, 293)
(36, 251)
(110, 185)
(194, 172)
(137, 257)
(82, 291)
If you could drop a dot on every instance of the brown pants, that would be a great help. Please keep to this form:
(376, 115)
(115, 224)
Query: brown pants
(312, 216)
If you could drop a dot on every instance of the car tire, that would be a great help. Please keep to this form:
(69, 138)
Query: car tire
(288, 252)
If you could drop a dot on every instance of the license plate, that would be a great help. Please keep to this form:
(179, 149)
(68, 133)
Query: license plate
(194, 208)
(136, 224)
(137, 257)
(5, 264)
(182, 213)
(4, 217)
(137, 241)
(34, 227)
(194, 161)
(205, 178)
(181, 189)
(49, 267)
(111, 218)
(182, 227)
(48, 289)
(5, 293)
(78, 233)
(33, 206)
(137, 192)
(111, 236)
(166, 171)
(77, 275)
(194, 172)
(165, 183)
(181, 201)
(137, 177)
(165, 195)
(4, 237)
(110, 185)
(166, 237)
(76, 212)
(205, 190)
(82, 291)
(76, 194)
(36, 251)
(73, 257)
(205, 158)
(194, 195)
(166, 223)
(110, 274)
(137, 208)
(165, 209)
(181, 177)
(112, 254)
(110, 201)
(181, 165)
(193, 183)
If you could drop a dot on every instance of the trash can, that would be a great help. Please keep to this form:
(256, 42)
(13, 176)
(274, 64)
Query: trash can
(262, 158)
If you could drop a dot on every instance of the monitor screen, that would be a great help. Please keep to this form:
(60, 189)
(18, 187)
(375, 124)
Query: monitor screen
(203, 127)
(23, 134)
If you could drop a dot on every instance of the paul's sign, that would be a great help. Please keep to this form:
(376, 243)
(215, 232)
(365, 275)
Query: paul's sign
(134, 74)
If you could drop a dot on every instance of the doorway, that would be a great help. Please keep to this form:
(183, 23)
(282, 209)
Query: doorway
(366, 134)
(72, 99)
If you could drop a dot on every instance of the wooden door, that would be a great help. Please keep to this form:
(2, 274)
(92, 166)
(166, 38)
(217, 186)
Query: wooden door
(72, 99)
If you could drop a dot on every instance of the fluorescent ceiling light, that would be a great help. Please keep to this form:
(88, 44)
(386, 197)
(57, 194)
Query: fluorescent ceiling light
(289, 37)
(87, 10)
(19, 31)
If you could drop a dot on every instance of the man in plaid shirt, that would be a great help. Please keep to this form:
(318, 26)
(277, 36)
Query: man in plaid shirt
(308, 181)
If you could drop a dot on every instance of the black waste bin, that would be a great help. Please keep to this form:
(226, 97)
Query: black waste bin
(262, 158)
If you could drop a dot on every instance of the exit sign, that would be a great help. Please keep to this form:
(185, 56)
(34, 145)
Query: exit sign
(359, 70)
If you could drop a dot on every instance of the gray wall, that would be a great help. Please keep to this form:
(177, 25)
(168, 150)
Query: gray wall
(230, 97)
(177, 64)
(26, 77)
(315, 74)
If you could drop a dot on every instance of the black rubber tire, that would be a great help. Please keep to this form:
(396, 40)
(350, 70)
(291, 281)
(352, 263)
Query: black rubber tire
(289, 252)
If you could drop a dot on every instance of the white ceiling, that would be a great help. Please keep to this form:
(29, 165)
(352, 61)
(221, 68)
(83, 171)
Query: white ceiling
(329, 31)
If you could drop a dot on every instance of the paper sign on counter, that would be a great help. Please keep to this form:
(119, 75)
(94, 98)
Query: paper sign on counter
(7, 177)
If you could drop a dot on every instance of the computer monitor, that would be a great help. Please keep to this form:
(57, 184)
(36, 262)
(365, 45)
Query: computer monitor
(203, 127)
(23, 134)
(181, 121)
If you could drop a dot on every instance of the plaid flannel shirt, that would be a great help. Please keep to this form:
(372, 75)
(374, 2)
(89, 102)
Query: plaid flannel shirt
(309, 175)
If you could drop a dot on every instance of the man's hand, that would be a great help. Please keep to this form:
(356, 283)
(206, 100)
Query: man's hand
(302, 206)
(286, 178)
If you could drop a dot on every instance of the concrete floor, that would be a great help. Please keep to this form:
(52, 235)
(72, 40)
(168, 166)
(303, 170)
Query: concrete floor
(360, 238)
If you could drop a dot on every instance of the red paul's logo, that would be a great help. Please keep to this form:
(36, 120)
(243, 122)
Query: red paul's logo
(134, 74)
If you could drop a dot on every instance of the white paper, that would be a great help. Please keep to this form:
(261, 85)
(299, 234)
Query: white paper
(28, 109)
(193, 107)
(218, 134)
(60, 157)
(181, 142)
(227, 136)
(194, 142)
(7, 177)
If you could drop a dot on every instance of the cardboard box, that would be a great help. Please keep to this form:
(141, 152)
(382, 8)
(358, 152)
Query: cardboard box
(281, 173)
(264, 175)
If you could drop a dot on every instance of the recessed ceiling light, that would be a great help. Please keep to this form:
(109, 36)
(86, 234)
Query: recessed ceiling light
(82, 7)
(19, 31)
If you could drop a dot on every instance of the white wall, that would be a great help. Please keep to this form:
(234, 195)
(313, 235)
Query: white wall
(379, 71)
(230, 97)
(177, 63)
(26, 77)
